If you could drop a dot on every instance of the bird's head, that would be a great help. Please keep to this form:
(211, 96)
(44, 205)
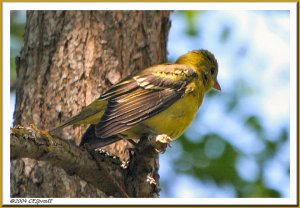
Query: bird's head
(205, 64)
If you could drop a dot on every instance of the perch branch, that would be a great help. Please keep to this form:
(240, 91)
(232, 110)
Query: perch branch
(36, 144)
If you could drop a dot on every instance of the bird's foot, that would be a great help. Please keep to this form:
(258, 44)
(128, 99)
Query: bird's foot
(162, 141)
(151, 180)
(157, 141)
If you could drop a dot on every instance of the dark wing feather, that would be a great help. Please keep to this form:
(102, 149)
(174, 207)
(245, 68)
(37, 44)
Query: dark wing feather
(117, 118)
(141, 97)
(123, 87)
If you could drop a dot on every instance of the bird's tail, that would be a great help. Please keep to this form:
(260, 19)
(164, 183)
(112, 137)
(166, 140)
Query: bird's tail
(93, 141)
(91, 114)
(69, 122)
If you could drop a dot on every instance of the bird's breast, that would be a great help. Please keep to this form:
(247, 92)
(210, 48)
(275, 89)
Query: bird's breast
(174, 120)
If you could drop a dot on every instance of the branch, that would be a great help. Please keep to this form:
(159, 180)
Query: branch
(139, 179)
(33, 143)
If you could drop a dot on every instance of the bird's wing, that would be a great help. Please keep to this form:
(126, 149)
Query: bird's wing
(142, 96)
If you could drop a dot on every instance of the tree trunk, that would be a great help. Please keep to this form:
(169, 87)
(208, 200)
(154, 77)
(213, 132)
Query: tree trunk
(69, 59)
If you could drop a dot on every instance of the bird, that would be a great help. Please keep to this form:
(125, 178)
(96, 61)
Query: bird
(161, 100)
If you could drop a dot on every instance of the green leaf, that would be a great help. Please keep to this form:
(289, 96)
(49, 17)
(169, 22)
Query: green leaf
(254, 123)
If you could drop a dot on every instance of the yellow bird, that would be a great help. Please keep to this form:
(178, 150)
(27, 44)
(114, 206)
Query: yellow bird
(160, 100)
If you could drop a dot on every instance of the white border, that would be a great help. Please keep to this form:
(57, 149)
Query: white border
(294, 141)
(148, 6)
(155, 6)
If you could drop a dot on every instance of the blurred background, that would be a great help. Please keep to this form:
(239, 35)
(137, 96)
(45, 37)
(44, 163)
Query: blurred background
(239, 145)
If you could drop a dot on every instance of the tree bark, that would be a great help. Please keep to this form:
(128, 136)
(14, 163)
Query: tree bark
(70, 58)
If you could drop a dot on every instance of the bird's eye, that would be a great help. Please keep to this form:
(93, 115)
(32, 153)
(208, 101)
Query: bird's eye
(213, 71)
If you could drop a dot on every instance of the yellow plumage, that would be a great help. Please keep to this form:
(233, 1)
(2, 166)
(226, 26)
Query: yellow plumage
(162, 99)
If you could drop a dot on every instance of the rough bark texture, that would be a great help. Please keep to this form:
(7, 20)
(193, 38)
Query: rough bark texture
(31, 142)
(69, 58)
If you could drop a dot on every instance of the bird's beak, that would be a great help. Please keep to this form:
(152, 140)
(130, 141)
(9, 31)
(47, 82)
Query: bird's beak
(217, 85)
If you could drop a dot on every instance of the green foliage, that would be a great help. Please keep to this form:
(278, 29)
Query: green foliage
(211, 157)
(191, 22)
(16, 27)
(16, 39)
(226, 32)
(254, 123)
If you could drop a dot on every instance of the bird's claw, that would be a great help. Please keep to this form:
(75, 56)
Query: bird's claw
(162, 141)
(151, 180)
